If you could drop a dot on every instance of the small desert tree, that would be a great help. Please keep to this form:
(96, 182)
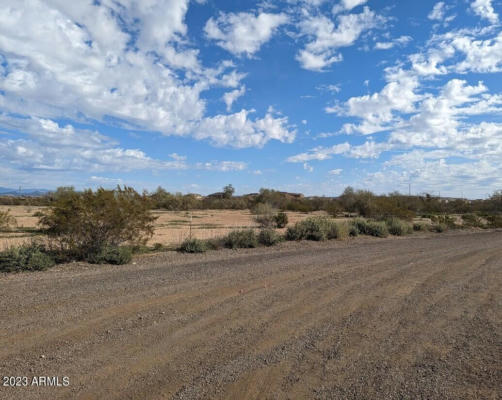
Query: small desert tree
(81, 225)
(6, 220)
(264, 215)
(228, 191)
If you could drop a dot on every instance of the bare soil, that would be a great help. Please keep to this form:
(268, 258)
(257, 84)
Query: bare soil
(402, 318)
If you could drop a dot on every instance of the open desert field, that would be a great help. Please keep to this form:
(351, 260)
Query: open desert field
(403, 318)
(171, 227)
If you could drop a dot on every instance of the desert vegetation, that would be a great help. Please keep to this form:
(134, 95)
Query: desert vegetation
(108, 226)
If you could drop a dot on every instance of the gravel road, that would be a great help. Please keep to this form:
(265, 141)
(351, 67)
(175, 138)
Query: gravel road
(402, 318)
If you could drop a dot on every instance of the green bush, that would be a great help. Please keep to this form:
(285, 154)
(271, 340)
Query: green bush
(361, 225)
(269, 237)
(439, 228)
(472, 220)
(32, 257)
(353, 231)
(264, 215)
(312, 228)
(193, 246)
(378, 229)
(494, 221)
(111, 255)
(338, 230)
(241, 239)
(281, 219)
(398, 227)
(420, 226)
(81, 225)
(318, 229)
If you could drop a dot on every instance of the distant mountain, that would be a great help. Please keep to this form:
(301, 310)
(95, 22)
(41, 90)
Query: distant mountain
(23, 192)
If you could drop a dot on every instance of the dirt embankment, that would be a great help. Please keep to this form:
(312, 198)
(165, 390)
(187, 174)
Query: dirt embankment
(413, 318)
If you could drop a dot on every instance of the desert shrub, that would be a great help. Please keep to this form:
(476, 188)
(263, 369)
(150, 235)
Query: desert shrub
(81, 225)
(312, 228)
(338, 230)
(472, 220)
(378, 229)
(398, 227)
(193, 246)
(215, 243)
(420, 226)
(281, 219)
(241, 239)
(361, 225)
(446, 220)
(318, 229)
(269, 237)
(158, 247)
(7, 221)
(29, 257)
(111, 255)
(494, 221)
(264, 215)
(439, 228)
(353, 231)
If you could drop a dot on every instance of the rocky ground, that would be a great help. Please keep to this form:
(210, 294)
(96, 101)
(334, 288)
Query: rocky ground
(402, 318)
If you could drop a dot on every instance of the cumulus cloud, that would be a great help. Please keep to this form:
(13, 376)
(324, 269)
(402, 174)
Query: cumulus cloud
(243, 33)
(325, 37)
(238, 130)
(127, 60)
(484, 9)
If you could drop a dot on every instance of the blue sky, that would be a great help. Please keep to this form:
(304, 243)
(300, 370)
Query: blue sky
(299, 95)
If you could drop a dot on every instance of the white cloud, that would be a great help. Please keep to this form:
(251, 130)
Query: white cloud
(308, 167)
(335, 172)
(320, 153)
(79, 61)
(325, 37)
(484, 9)
(230, 97)
(378, 111)
(238, 130)
(400, 41)
(223, 166)
(46, 145)
(243, 33)
(347, 5)
(438, 12)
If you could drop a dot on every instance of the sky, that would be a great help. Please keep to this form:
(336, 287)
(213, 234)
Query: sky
(304, 96)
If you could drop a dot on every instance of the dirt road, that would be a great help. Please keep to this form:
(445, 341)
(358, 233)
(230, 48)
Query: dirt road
(413, 318)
